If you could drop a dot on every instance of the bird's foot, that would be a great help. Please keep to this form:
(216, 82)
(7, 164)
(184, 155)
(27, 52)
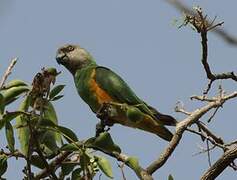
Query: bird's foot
(103, 112)
(100, 128)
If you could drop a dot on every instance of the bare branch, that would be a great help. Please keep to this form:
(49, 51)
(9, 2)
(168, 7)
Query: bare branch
(212, 116)
(180, 108)
(208, 153)
(182, 126)
(8, 72)
(221, 164)
(204, 136)
(202, 98)
(229, 38)
(121, 166)
(217, 139)
(200, 23)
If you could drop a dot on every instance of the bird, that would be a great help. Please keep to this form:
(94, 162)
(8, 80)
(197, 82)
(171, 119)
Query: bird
(100, 87)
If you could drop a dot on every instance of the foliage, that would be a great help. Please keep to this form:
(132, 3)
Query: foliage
(42, 140)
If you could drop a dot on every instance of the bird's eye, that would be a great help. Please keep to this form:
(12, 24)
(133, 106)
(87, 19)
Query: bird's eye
(70, 48)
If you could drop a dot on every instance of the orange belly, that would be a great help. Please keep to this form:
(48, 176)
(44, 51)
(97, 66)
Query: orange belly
(101, 95)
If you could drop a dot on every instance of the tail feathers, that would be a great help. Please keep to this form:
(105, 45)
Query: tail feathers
(166, 119)
(164, 133)
(163, 118)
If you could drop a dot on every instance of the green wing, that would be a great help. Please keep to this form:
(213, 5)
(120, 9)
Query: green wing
(115, 86)
(119, 90)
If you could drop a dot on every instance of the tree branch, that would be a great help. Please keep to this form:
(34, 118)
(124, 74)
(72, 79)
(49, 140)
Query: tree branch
(182, 126)
(201, 24)
(141, 173)
(8, 72)
(53, 165)
(227, 37)
(221, 164)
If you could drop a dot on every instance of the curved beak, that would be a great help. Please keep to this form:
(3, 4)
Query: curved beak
(60, 58)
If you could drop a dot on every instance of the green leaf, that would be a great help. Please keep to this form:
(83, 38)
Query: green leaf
(13, 92)
(47, 139)
(85, 160)
(11, 100)
(10, 136)
(55, 91)
(69, 135)
(2, 106)
(3, 164)
(103, 142)
(170, 177)
(70, 147)
(57, 97)
(47, 123)
(14, 83)
(50, 114)
(2, 123)
(134, 164)
(105, 166)
(23, 130)
(37, 162)
(12, 115)
(67, 168)
(76, 174)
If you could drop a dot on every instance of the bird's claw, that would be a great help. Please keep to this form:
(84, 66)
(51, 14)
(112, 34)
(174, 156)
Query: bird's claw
(100, 128)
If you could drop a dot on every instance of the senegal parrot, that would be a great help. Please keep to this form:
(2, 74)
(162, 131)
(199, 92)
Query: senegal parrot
(99, 86)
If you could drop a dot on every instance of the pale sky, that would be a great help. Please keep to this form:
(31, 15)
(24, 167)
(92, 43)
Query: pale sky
(136, 39)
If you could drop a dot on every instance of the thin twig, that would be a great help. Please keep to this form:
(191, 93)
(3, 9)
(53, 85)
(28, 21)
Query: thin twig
(16, 154)
(203, 150)
(221, 164)
(142, 173)
(8, 72)
(206, 137)
(202, 26)
(227, 37)
(38, 150)
(212, 116)
(203, 98)
(53, 165)
(218, 141)
(182, 126)
(208, 153)
(180, 108)
(121, 166)
(30, 151)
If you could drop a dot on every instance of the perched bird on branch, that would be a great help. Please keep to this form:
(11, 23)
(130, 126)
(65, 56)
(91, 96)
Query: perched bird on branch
(109, 96)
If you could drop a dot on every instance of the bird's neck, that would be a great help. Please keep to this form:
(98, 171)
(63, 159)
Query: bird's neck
(75, 68)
